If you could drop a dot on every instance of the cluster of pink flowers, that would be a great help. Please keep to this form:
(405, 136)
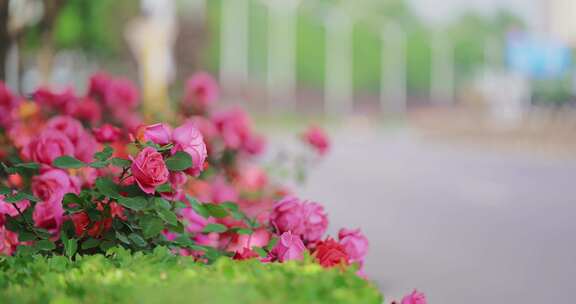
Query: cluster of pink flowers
(252, 217)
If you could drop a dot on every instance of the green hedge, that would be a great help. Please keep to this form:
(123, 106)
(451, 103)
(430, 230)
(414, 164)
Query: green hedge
(161, 277)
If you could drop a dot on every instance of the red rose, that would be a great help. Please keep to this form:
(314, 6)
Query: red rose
(330, 253)
(149, 170)
(245, 254)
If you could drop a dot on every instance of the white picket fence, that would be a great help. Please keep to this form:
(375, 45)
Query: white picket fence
(338, 82)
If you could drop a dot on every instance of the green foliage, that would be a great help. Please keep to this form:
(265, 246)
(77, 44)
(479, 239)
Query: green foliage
(68, 162)
(92, 226)
(161, 277)
(179, 161)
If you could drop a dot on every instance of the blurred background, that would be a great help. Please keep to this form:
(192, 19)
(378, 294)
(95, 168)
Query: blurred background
(453, 122)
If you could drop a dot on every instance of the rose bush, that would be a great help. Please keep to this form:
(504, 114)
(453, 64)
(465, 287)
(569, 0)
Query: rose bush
(83, 173)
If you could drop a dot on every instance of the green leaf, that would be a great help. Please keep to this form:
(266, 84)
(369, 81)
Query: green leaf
(105, 245)
(230, 206)
(272, 243)
(26, 250)
(7, 169)
(33, 166)
(168, 216)
(219, 228)
(90, 243)
(68, 162)
(120, 162)
(122, 237)
(20, 196)
(71, 198)
(164, 188)
(25, 236)
(94, 214)
(137, 240)
(179, 205)
(135, 203)
(4, 190)
(104, 154)
(165, 147)
(70, 247)
(243, 231)
(151, 226)
(216, 211)
(260, 251)
(160, 203)
(45, 245)
(99, 164)
(184, 240)
(197, 206)
(179, 161)
(12, 224)
(107, 187)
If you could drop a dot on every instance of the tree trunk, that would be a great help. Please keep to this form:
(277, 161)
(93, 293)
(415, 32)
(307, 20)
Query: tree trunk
(5, 40)
(46, 52)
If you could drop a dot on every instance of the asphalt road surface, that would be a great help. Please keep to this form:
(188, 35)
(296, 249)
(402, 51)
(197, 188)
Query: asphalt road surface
(462, 224)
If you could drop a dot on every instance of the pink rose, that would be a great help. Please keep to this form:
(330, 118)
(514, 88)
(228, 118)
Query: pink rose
(201, 90)
(177, 179)
(53, 184)
(259, 238)
(49, 215)
(67, 125)
(289, 247)
(306, 219)
(158, 133)
(234, 127)
(56, 100)
(8, 241)
(222, 191)
(129, 120)
(188, 139)
(205, 126)
(415, 297)
(255, 144)
(245, 254)
(355, 244)
(107, 133)
(193, 222)
(48, 146)
(8, 103)
(99, 83)
(10, 210)
(149, 170)
(317, 138)
(87, 110)
(252, 177)
(84, 144)
(121, 93)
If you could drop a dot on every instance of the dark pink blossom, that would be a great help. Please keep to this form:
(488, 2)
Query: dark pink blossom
(201, 91)
(107, 133)
(317, 139)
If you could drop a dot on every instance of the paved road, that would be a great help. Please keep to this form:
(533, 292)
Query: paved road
(463, 225)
